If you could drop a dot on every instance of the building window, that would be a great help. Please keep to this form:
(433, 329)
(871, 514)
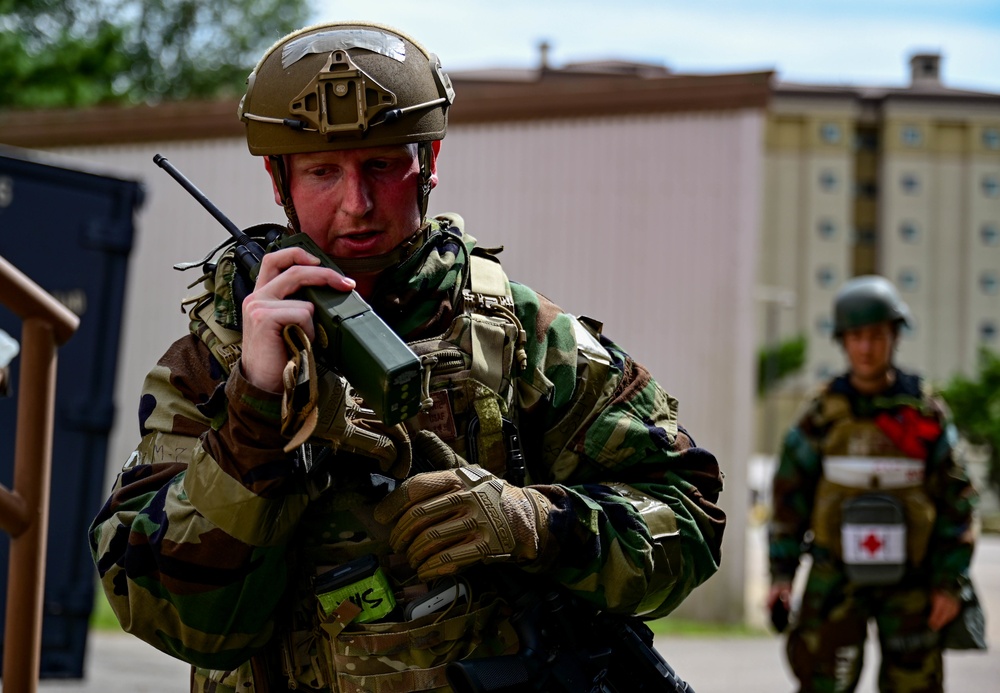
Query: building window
(828, 181)
(866, 190)
(910, 183)
(865, 236)
(991, 138)
(908, 232)
(830, 133)
(990, 234)
(824, 326)
(991, 186)
(989, 282)
(826, 277)
(988, 331)
(866, 141)
(912, 137)
(908, 280)
(827, 229)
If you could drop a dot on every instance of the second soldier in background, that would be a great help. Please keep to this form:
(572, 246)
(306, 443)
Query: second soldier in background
(869, 485)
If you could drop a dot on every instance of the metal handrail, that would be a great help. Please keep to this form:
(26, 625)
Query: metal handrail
(24, 511)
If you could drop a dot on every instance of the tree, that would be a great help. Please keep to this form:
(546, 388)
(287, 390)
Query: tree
(776, 362)
(975, 406)
(74, 53)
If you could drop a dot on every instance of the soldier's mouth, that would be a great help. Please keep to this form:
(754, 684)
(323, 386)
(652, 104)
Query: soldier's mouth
(359, 243)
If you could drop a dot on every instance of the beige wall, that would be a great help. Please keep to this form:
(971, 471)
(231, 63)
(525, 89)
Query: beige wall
(648, 223)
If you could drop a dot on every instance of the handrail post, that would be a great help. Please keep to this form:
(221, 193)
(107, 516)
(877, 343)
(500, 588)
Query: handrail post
(32, 473)
(24, 511)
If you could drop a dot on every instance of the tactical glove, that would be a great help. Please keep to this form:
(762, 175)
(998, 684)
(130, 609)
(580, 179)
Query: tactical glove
(323, 409)
(454, 518)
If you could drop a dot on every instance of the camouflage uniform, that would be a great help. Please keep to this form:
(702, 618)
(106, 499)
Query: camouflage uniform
(826, 642)
(209, 542)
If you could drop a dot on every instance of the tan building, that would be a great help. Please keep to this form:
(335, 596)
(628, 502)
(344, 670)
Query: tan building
(902, 182)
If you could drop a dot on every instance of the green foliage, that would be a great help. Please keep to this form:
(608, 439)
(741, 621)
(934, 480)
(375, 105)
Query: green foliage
(779, 361)
(74, 53)
(102, 617)
(975, 406)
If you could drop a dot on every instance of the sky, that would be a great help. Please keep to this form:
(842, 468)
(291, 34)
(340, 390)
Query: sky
(857, 42)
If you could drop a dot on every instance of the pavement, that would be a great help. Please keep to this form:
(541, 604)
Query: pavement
(118, 663)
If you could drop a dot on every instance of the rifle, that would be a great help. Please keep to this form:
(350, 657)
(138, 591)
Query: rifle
(351, 338)
(567, 646)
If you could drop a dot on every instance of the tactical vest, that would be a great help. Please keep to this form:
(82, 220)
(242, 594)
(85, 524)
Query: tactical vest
(469, 373)
(871, 507)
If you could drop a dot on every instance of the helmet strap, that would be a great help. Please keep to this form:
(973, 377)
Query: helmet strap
(284, 185)
(425, 154)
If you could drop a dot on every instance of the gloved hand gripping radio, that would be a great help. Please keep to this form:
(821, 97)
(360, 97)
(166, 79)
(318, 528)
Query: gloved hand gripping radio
(350, 337)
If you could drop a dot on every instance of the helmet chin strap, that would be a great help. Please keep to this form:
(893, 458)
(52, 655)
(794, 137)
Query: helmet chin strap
(425, 155)
(284, 185)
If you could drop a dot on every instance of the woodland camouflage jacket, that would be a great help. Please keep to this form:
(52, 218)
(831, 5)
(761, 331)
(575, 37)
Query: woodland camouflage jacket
(209, 538)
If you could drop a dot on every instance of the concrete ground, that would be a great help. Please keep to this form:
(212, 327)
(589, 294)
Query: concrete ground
(118, 663)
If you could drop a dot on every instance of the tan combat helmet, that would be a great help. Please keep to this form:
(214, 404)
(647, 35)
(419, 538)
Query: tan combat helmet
(345, 85)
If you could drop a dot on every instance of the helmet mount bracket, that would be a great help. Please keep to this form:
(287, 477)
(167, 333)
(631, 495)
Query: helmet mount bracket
(341, 99)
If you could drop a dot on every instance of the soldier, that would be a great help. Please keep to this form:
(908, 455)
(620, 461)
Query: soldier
(233, 527)
(869, 485)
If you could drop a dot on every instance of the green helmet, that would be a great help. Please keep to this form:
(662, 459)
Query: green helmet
(345, 86)
(867, 300)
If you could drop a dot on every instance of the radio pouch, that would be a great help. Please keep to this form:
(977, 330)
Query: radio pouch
(873, 535)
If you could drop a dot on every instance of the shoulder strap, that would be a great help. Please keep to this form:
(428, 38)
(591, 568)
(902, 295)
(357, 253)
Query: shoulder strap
(224, 342)
(490, 305)
(487, 277)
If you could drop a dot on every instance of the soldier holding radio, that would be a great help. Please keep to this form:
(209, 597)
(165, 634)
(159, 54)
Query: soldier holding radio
(276, 532)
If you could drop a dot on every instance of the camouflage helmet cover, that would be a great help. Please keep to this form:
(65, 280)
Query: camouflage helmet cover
(867, 300)
(344, 86)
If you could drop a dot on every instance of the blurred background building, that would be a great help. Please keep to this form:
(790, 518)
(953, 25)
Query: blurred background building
(902, 182)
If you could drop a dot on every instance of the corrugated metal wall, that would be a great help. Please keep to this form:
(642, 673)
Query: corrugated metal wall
(649, 224)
